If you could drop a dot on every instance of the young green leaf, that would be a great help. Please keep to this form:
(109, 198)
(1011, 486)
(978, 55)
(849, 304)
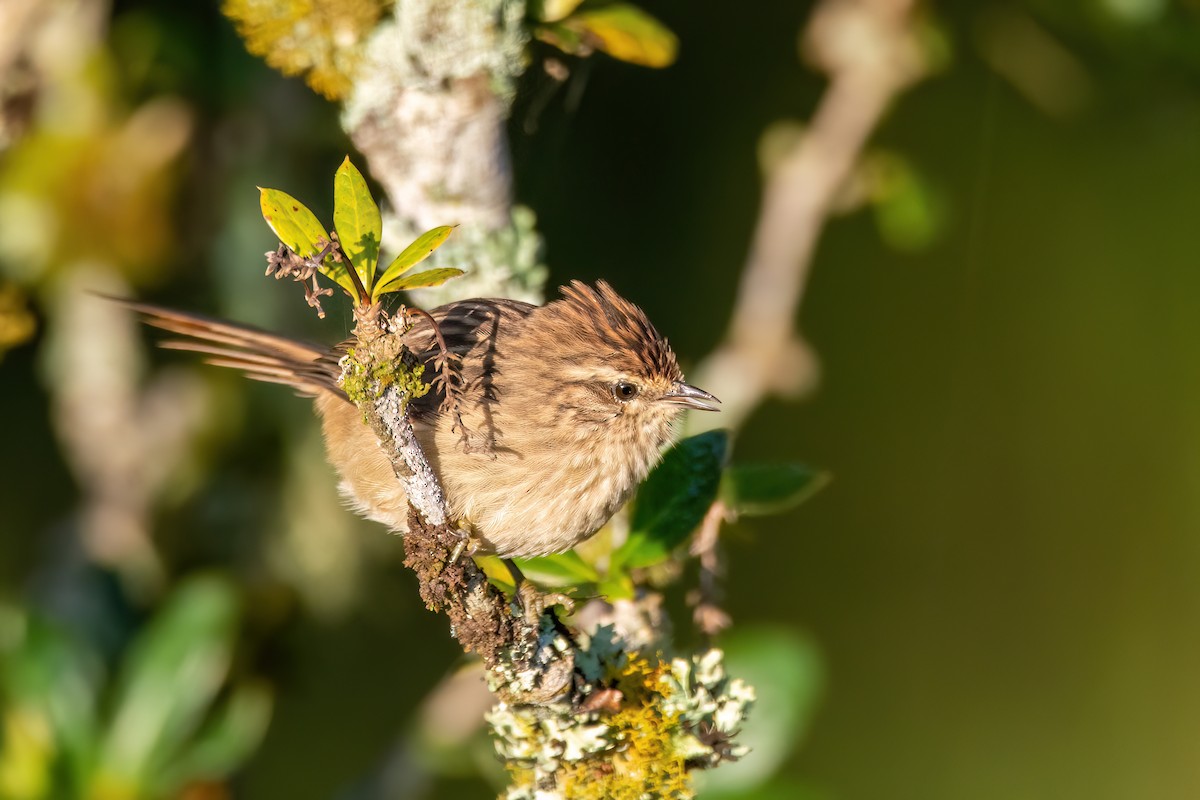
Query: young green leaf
(414, 254)
(673, 499)
(759, 489)
(563, 569)
(299, 229)
(356, 218)
(420, 280)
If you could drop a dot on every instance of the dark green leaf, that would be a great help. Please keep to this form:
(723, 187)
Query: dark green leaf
(673, 499)
(356, 218)
(758, 489)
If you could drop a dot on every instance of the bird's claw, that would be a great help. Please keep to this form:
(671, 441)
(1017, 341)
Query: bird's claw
(534, 602)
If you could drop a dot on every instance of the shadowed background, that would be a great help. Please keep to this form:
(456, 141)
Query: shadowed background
(1003, 577)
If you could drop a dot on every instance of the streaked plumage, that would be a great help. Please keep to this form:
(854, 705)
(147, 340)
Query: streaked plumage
(553, 445)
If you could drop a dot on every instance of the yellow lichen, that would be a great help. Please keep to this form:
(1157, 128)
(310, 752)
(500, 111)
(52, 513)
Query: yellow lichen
(320, 39)
(644, 763)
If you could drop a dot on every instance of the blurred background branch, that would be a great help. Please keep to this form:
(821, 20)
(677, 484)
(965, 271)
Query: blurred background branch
(870, 51)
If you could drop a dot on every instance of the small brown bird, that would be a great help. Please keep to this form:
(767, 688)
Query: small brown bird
(564, 409)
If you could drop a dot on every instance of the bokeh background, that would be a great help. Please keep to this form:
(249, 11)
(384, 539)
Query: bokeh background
(1002, 580)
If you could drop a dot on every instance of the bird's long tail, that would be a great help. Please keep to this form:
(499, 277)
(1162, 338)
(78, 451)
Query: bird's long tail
(308, 368)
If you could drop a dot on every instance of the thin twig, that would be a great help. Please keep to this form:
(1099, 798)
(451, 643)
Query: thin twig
(867, 48)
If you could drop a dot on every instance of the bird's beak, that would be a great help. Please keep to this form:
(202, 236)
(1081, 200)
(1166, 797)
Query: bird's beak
(690, 397)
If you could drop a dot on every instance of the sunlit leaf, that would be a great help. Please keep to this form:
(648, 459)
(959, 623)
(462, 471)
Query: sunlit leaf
(356, 218)
(553, 10)
(674, 499)
(299, 229)
(421, 280)
(758, 489)
(412, 255)
(497, 573)
(627, 33)
(616, 585)
(563, 569)
(170, 679)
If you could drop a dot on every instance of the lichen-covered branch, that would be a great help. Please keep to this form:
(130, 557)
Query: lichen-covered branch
(428, 112)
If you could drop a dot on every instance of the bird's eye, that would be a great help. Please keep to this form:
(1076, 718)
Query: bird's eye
(624, 392)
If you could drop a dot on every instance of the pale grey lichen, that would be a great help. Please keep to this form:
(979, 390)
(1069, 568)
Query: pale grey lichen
(651, 723)
(430, 42)
(501, 262)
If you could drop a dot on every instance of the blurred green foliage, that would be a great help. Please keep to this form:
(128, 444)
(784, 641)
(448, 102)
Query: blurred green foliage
(1002, 580)
(166, 720)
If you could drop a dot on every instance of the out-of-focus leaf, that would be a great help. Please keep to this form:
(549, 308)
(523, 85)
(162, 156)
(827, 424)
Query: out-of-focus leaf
(673, 499)
(170, 679)
(225, 743)
(46, 674)
(412, 255)
(782, 787)
(356, 218)
(553, 10)
(421, 280)
(616, 585)
(16, 320)
(299, 229)
(909, 212)
(788, 674)
(627, 33)
(563, 569)
(758, 489)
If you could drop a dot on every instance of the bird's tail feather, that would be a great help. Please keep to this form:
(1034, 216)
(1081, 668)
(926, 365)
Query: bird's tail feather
(308, 368)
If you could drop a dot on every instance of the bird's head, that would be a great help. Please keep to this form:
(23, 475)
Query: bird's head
(606, 369)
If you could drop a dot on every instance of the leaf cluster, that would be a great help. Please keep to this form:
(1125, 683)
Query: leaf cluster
(349, 256)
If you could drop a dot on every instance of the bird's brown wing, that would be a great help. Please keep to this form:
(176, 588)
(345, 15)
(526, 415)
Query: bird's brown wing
(469, 328)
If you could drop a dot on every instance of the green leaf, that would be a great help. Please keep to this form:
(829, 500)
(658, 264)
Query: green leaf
(422, 280)
(172, 676)
(414, 254)
(616, 585)
(50, 675)
(626, 33)
(787, 672)
(497, 573)
(674, 499)
(356, 218)
(299, 229)
(759, 489)
(563, 569)
(225, 743)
